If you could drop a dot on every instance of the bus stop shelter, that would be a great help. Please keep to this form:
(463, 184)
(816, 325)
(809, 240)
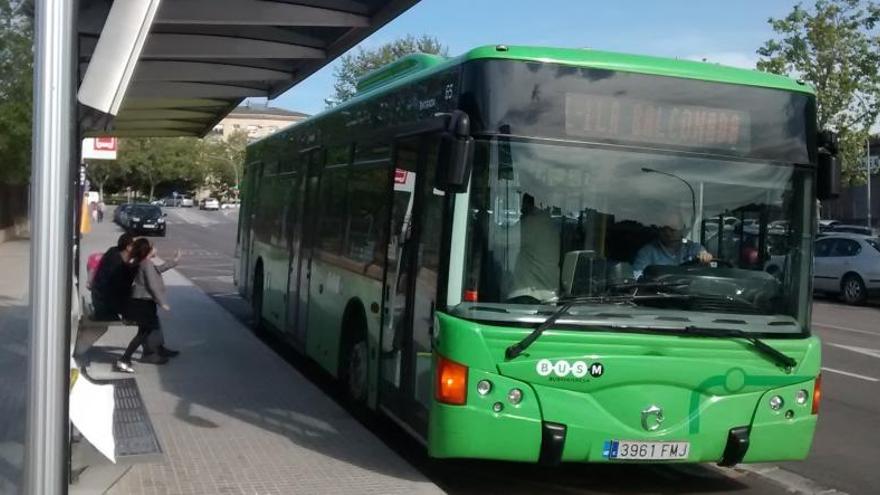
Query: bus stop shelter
(144, 68)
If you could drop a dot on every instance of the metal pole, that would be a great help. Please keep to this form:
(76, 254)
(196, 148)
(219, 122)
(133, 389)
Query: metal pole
(50, 276)
(868, 145)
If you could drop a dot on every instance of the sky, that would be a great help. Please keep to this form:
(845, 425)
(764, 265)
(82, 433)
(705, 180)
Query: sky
(725, 32)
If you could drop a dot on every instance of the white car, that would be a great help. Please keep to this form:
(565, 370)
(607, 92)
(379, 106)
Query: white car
(209, 204)
(847, 264)
(186, 202)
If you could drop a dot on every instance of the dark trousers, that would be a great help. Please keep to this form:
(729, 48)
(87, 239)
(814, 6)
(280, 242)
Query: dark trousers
(141, 339)
(144, 313)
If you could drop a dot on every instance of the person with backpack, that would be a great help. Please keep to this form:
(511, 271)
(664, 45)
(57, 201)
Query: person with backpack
(111, 280)
(147, 295)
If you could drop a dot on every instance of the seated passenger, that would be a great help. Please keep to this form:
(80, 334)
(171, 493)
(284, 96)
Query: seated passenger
(536, 273)
(670, 247)
(111, 284)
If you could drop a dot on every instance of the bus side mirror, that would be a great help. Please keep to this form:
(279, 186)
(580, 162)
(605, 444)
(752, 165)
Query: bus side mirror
(828, 167)
(828, 177)
(456, 154)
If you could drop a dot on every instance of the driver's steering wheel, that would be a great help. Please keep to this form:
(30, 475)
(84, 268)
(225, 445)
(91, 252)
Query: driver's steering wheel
(713, 263)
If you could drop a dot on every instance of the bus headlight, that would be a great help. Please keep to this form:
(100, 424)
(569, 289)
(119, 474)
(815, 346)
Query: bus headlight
(801, 397)
(514, 396)
(776, 402)
(484, 387)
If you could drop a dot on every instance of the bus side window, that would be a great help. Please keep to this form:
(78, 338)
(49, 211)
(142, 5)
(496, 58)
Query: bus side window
(367, 192)
(331, 229)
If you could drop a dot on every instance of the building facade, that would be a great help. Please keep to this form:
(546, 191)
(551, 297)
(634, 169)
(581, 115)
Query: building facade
(257, 120)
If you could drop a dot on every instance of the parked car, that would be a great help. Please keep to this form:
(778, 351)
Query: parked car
(145, 219)
(827, 224)
(186, 202)
(209, 204)
(847, 264)
(852, 229)
(120, 213)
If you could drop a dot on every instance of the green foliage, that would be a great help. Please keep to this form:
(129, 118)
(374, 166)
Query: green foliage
(353, 66)
(16, 91)
(835, 47)
(225, 160)
(183, 164)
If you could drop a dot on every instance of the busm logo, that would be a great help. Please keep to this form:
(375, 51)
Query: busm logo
(562, 368)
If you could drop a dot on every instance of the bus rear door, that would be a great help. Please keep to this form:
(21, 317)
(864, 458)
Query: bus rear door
(302, 242)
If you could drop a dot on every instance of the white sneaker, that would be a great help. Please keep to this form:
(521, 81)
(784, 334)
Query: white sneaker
(123, 367)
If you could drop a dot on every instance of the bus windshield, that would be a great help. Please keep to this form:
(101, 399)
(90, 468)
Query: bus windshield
(550, 221)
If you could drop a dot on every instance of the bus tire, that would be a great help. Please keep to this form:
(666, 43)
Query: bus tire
(354, 357)
(257, 299)
(853, 289)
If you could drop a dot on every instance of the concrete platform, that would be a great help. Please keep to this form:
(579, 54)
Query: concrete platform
(233, 417)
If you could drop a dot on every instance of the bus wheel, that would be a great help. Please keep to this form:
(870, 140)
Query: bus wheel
(853, 289)
(257, 299)
(353, 366)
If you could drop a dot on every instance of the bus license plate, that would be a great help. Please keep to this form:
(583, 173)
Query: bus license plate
(625, 450)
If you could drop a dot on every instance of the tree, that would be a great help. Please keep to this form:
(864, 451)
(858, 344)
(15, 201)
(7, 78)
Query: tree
(835, 48)
(151, 161)
(354, 66)
(16, 90)
(101, 172)
(222, 161)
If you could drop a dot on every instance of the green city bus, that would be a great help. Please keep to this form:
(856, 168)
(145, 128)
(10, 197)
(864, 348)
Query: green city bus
(553, 255)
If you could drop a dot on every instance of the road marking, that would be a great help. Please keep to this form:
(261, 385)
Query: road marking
(861, 350)
(845, 329)
(793, 482)
(854, 375)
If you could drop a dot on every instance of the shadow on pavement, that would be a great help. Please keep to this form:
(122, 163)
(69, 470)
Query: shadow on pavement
(486, 477)
(225, 378)
(13, 391)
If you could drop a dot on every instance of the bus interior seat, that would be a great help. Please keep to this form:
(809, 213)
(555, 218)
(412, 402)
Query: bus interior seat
(625, 238)
(583, 273)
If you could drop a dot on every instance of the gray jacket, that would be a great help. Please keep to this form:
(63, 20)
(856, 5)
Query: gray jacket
(148, 282)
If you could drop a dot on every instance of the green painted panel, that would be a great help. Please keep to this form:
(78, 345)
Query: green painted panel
(331, 290)
(775, 437)
(474, 430)
(705, 386)
(641, 64)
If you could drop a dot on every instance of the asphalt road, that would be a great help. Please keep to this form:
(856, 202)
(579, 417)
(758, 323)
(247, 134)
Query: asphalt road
(843, 459)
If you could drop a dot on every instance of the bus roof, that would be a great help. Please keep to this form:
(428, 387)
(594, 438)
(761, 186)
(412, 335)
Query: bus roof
(401, 73)
(412, 67)
(642, 64)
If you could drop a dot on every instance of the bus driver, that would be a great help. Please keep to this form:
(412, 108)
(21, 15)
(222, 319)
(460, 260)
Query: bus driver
(670, 247)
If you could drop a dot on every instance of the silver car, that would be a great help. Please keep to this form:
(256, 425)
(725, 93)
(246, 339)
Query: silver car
(847, 264)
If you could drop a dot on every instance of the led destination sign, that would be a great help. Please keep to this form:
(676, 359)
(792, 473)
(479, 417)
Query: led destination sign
(644, 121)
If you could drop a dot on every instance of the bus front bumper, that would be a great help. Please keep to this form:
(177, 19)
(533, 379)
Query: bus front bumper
(552, 425)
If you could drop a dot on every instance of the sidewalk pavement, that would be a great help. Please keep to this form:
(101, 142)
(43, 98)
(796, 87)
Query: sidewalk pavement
(14, 314)
(233, 417)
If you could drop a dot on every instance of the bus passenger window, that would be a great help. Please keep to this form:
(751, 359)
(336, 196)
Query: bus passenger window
(332, 205)
(368, 192)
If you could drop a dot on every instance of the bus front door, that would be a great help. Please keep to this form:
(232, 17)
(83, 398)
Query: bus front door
(412, 281)
(301, 250)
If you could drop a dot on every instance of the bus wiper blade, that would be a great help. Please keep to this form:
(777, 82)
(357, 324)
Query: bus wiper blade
(777, 356)
(515, 350)
(656, 285)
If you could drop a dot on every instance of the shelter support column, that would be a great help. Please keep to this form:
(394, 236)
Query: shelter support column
(51, 247)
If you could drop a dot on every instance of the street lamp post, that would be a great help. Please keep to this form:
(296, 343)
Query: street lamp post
(690, 188)
(868, 147)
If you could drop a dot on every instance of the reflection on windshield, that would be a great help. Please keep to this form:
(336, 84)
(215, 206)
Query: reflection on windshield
(549, 222)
